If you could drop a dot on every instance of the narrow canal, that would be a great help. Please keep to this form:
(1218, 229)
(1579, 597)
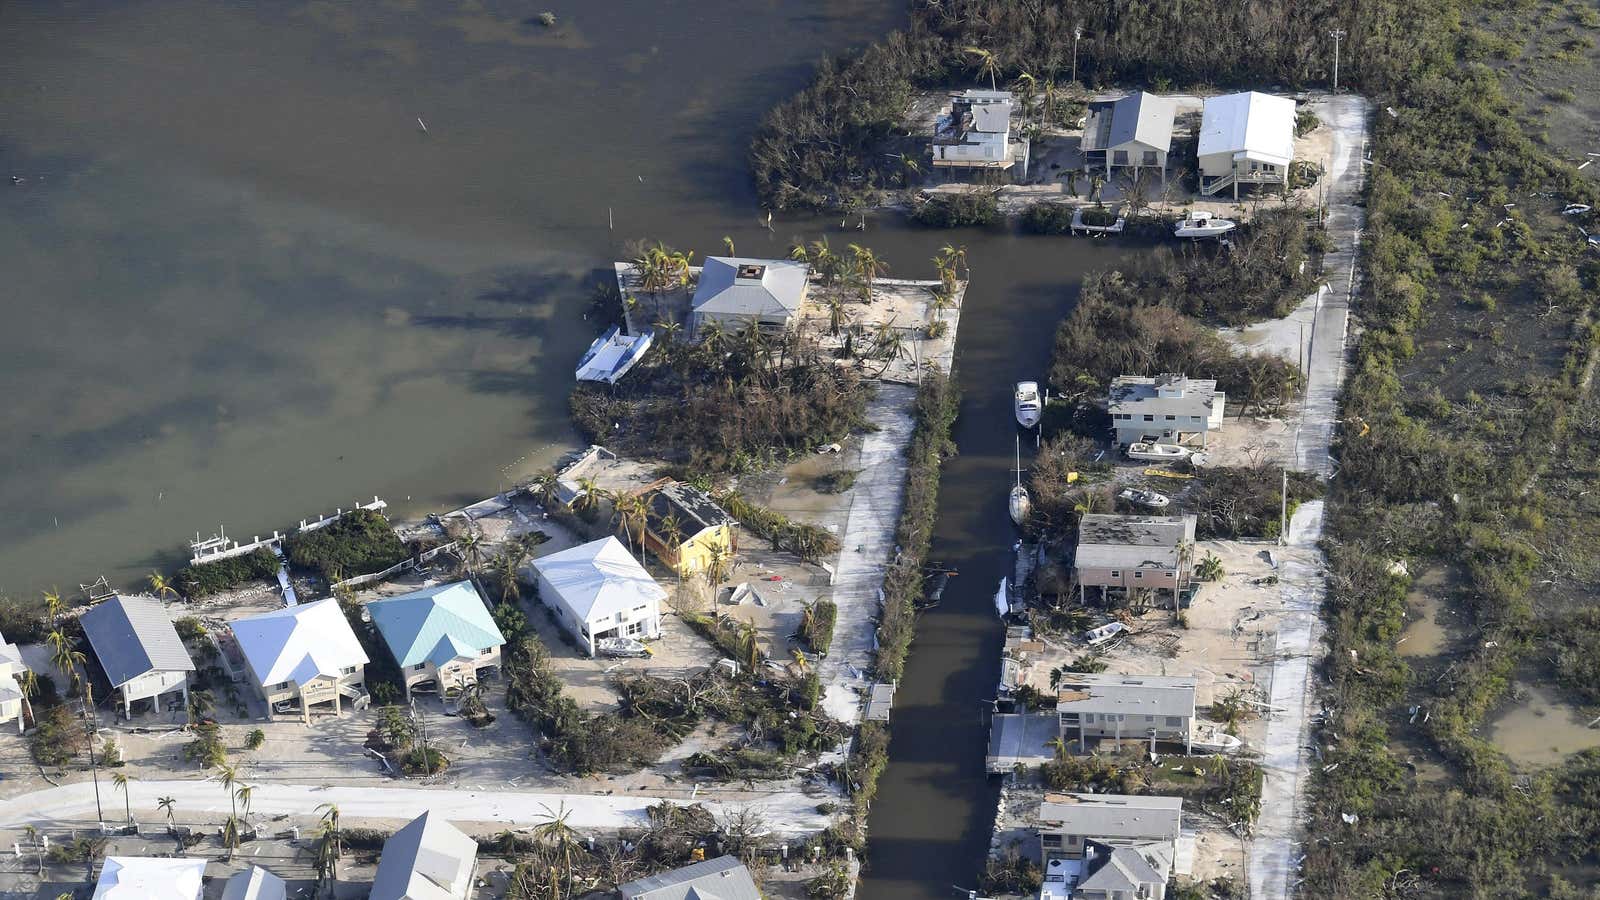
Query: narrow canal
(245, 284)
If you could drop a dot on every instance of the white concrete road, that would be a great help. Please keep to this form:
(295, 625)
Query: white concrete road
(72, 806)
(1285, 762)
(866, 547)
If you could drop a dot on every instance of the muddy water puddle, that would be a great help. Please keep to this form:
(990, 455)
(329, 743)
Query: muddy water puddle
(1540, 727)
(1427, 618)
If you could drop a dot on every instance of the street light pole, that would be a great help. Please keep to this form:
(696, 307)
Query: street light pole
(1336, 34)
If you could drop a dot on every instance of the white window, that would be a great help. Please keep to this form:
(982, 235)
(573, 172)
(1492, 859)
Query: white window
(416, 668)
(1115, 574)
(635, 628)
(1150, 418)
(1150, 157)
(486, 651)
(348, 670)
(1119, 157)
(280, 686)
(1138, 574)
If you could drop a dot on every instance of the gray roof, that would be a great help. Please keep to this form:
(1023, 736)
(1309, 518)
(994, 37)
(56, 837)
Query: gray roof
(1121, 869)
(1022, 737)
(879, 701)
(132, 636)
(1142, 118)
(1145, 695)
(1132, 541)
(723, 878)
(428, 858)
(1113, 816)
(769, 289)
(1162, 394)
(695, 509)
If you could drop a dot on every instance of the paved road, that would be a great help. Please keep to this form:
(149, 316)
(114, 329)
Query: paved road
(867, 543)
(72, 805)
(1285, 762)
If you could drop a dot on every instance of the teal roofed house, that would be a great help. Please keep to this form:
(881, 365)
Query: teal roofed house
(442, 634)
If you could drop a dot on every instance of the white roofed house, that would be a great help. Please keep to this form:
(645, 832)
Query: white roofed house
(598, 591)
(1152, 553)
(138, 648)
(428, 859)
(1247, 139)
(254, 883)
(304, 656)
(1152, 707)
(1132, 133)
(974, 132)
(723, 878)
(150, 878)
(11, 669)
(1069, 822)
(737, 291)
(1165, 409)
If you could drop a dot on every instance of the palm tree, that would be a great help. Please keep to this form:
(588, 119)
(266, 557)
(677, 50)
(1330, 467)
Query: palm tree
(987, 65)
(229, 776)
(120, 781)
(546, 487)
(867, 267)
(727, 242)
(1025, 86)
(559, 846)
(1070, 176)
(801, 664)
(169, 806)
(161, 587)
(330, 846)
(230, 835)
(472, 548)
(52, 603)
(835, 313)
(588, 497)
(200, 703)
(507, 566)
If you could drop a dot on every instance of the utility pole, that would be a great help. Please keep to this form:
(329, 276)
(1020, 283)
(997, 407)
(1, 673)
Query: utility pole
(1077, 32)
(1336, 34)
(1283, 510)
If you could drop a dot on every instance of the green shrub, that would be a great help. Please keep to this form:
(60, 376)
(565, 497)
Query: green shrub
(963, 210)
(816, 625)
(357, 543)
(58, 737)
(1047, 218)
(803, 539)
(205, 579)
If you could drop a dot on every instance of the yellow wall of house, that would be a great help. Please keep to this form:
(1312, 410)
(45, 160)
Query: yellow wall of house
(695, 553)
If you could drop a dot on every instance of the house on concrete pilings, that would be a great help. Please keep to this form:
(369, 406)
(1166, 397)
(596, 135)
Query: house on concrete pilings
(974, 132)
(1129, 553)
(11, 671)
(1069, 821)
(1116, 707)
(1133, 134)
(139, 649)
(1245, 139)
(304, 656)
(442, 635)
(599, 590)
(1165, 409)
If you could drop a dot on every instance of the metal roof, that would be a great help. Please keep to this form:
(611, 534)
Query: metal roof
(723, 878)
(132, 636)
(255, 883)
(1146, 695)
(1259, 126)
(1142, 118)
(1113, 816)
(880, 700)
(1122, 869)
(1022, 737)
(1168, 393)
(299, 643)
(150, 878)
(761, 288)
(436, 624)
(428, 859)
(1132, 541)
(598, 580)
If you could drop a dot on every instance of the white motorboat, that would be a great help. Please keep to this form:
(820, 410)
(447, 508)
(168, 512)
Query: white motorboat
(1019, 503)
(1151, 499)
(1027, 404)
(612, 354)
(1575, 209)
(1201, 224)
(1151, 451)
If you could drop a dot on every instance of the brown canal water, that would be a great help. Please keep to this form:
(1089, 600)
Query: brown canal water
(246, 286)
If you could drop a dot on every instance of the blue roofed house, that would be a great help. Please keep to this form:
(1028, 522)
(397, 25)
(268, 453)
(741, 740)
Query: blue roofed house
(140, 651)
(443, 634)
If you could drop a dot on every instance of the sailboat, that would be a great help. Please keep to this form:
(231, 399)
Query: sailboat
(1019, 503)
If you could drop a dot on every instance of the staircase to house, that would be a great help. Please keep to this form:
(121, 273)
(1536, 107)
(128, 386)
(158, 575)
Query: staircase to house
(1218, 184)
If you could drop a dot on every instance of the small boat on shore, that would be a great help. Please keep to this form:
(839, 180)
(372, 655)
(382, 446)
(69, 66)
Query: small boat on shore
(1150, 451)
(1019, 504)
(1575, 209)
(1081, 225)
(1149, 499)
(621, 647)
(1201, 224)
(612, 354)
(1027, 404)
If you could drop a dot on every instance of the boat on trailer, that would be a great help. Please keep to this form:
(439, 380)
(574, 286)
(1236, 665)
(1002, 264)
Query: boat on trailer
(1201, 224)
(1027, 404)
(1152, 451)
